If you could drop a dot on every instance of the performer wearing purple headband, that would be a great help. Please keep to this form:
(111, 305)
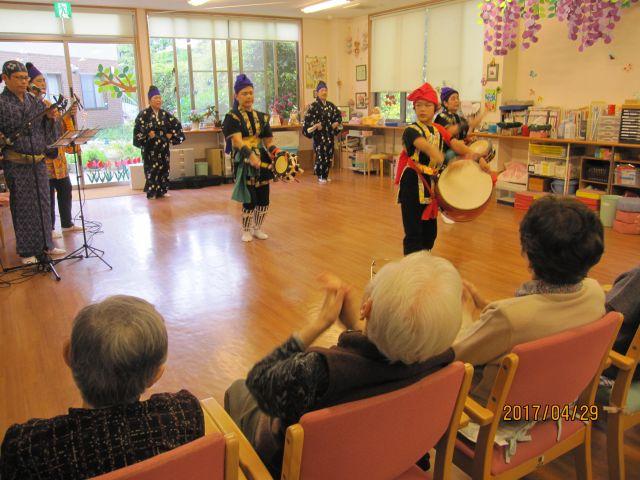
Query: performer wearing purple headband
(154, 131)
(321, 123)
(457, 125)
(251, 139)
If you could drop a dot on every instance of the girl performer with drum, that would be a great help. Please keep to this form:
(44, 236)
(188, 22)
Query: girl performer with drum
(321, 123)
(253, 151)
(423, 156)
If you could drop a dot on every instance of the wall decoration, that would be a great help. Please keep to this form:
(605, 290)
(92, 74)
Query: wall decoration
(365, 41)
(612, 56)
(628, 67)
(532, 74)
(315, 69)
(587, 20)
(361, 73)
(492, 72)
(356, 48)
(116, 82)
(361, 101)
(483, 81)
(490, 99)
(345, 111)
(349, 45)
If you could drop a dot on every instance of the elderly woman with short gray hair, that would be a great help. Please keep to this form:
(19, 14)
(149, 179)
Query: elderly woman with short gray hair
(400, 333)
(117, 350)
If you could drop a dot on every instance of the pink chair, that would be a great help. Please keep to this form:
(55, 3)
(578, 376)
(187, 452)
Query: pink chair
(210, 457)
(547, 374)
(381, 437)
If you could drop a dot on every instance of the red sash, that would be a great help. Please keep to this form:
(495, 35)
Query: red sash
(431, 210)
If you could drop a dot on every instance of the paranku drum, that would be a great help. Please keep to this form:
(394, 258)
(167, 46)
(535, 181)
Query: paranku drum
(464, 190)
(285, 166)
(484, 148)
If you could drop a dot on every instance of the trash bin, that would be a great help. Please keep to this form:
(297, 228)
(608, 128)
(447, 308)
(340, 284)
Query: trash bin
(202, 168)
(608, 204)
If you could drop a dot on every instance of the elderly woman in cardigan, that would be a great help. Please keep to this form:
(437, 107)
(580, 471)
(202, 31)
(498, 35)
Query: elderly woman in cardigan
(398, 335)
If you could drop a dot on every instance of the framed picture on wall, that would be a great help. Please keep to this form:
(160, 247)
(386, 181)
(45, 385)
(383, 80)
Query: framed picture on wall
(361, 100)
(345, 111)
(361, 73)
(492, 72)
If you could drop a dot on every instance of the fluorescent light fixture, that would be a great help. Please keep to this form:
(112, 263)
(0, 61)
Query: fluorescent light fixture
(197, 3)
(325, 5)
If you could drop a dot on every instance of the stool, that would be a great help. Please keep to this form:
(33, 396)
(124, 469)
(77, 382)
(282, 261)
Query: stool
(136, 176)
(381, 157)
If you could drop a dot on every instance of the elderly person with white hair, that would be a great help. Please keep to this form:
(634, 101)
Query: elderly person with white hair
(398, 335)
(117, 350)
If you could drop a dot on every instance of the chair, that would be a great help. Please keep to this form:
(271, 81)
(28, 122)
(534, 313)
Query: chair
(210, 457)
(619, 416)
(381, 437)
(546, 374)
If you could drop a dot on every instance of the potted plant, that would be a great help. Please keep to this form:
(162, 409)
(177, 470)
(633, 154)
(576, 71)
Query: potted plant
(283, 106)
(195, 118)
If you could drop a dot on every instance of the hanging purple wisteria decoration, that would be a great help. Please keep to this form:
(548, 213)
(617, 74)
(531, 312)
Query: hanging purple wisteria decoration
(587, 20)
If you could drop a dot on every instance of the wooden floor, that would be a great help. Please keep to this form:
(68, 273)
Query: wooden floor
(227, 303)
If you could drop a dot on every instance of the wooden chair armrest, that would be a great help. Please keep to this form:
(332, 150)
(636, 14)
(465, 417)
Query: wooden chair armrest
(250, 462)
(464, 420)
(620, 361)
(477, 413)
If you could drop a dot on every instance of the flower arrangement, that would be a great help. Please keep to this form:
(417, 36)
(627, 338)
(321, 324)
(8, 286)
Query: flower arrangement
(283, 105)
(195, 118)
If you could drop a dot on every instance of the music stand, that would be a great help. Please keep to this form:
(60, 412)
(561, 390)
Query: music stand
(73, 139)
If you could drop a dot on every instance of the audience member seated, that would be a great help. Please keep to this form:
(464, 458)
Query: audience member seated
(117, 350)
(401, 332)
(561, 239)
(624, 297)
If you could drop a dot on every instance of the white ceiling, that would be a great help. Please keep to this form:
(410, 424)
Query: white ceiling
(285, 8)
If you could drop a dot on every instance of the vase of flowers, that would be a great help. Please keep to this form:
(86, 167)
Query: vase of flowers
(195, 118)
(283, 105)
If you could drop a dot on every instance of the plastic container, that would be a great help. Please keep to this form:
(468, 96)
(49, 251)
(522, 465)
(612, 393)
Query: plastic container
(202, 168)
(557, 186)
(608, 205)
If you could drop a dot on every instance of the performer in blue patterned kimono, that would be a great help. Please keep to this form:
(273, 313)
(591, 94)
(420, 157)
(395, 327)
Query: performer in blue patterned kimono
(154, 131)
(29, 201)
(249, 135)
(321, 123)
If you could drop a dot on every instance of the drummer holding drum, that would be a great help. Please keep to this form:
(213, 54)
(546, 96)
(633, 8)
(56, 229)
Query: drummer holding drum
(421, 160)
(458, 126)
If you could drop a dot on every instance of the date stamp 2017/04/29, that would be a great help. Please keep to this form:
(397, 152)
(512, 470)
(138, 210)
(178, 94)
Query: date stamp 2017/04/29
(540, 413)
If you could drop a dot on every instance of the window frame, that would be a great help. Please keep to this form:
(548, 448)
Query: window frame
(230, 71)
(403, 106)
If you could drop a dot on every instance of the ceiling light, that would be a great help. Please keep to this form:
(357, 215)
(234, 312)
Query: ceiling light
(325, 5)
(197, 3)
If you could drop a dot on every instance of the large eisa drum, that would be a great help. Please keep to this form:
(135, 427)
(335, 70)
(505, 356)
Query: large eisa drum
(484, 148)
(464, 190)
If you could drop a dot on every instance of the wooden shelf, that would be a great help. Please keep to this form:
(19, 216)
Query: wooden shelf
(597, 182)
(548, 176)
(566, 141)
(635, 187)
(635, 162)
(597, 159)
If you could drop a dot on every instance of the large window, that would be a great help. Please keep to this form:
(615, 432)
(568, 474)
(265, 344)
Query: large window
(198, 71)
(458, 64)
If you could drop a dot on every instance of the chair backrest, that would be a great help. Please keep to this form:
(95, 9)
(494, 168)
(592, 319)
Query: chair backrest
(382, 436)
(203, 458)
(555, 370)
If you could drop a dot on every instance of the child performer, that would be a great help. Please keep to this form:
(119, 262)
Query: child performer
(423, 156)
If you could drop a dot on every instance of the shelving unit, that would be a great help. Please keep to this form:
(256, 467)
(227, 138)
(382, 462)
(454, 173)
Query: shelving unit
(354, 153)
(549, 163)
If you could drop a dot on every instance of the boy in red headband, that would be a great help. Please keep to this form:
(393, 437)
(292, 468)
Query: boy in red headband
(424, 143)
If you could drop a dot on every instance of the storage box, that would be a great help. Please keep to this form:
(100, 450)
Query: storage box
(627, 175)
(539, 184)
(214, 158)
(553, 150)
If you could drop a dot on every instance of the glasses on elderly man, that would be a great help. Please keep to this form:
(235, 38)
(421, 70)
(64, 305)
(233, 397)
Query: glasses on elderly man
(24, 78)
